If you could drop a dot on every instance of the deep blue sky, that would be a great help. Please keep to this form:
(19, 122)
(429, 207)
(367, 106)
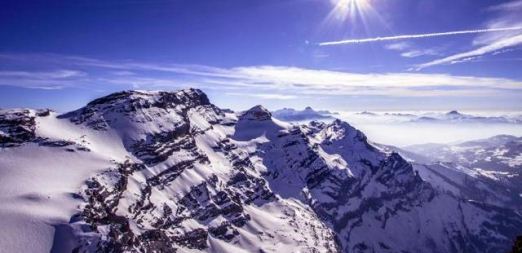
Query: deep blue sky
(61, 54)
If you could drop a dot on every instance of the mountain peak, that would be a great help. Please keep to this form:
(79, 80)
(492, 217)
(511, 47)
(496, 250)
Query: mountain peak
(454, 112)
(339, 129)
(340, 123)
(289, 114)
(189, 97)
(135, 100)
(367, 113)
(257, 112)
(136, 114)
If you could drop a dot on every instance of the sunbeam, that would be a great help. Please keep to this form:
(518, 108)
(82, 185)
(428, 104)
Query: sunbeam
(353, 17)
(348, 9)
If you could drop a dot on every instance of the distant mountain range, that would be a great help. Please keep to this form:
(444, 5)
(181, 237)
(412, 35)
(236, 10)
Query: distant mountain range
(498, 153)
(449, 117)
(487, 170)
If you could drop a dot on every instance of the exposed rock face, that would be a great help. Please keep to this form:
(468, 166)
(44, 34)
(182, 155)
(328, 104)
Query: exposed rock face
(139, 107)
(165, 153)
(197, 178)
(16, 127)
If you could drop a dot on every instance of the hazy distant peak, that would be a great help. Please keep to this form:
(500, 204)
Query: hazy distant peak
(290, 114)
(453, 112)
(257, 112)
(368, 113)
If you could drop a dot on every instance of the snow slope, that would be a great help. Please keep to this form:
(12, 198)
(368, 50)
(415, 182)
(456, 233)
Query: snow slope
(39, 183)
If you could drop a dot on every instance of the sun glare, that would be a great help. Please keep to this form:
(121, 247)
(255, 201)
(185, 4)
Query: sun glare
(347, 17)
(344, 9)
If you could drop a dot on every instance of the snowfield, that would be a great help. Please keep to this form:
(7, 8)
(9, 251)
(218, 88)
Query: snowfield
(39, 186)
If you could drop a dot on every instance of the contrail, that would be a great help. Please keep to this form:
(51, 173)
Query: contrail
(416, 36)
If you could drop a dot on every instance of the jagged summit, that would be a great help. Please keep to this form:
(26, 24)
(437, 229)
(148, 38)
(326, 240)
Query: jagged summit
(453, 112)
(340, 129)
(141, 98)
(257, 112)
(132, 101)
(137, 115)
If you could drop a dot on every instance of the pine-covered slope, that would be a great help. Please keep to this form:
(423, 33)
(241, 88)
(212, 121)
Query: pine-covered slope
(144, 171)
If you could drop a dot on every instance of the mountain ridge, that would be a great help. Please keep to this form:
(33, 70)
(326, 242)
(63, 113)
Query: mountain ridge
(175, 173)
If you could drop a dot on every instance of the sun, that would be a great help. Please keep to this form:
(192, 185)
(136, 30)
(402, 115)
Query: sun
(349, 9)
(347, 3)
(349, 17)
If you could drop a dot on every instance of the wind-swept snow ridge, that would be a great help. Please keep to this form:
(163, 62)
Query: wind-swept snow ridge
(170, 172)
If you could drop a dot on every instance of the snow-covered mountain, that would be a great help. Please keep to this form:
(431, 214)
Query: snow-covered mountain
(140, 171)
(498, 153)
(488, 170)
(308, 114)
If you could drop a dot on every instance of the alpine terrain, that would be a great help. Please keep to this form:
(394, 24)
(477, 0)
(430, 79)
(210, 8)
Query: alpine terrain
(141, 171)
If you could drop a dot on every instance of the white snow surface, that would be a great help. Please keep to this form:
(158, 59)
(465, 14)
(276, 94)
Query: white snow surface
(37, 184)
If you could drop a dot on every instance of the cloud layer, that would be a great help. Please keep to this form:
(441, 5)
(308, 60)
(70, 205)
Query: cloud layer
(267, 82)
